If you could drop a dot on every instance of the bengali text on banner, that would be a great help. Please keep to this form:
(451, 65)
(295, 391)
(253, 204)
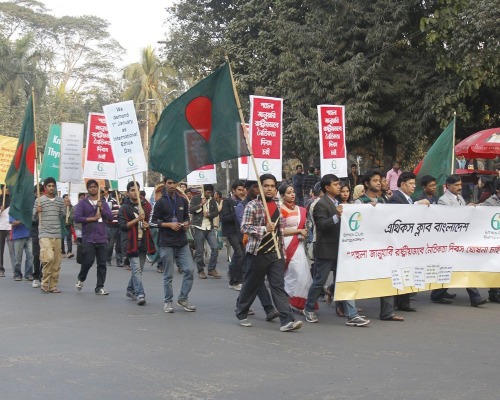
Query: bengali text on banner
(266, 135)
(8, 147)
(394, 249)
(332, 140)
(100, 163)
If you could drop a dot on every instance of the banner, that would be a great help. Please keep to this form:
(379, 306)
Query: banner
(125, 139)
(266, 135)
(71, 152)
(331, 121)
(244, 162)
(123, 182)
(8, 146)
(394, 249)
(100, 163)
(203, 175)
(52, 154)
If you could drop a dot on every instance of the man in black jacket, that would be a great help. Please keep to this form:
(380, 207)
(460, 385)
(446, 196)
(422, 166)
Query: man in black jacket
(170, 215)
(230, 230)
(203, 209)
(406, 186)
(327, 213)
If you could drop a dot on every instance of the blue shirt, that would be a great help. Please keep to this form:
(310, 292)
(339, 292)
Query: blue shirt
(335, 202)
(19, 231)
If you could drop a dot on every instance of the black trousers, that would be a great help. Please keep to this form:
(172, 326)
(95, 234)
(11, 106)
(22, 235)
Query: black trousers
(402, 301)
(99, 253)
(237, 269)
(260, 266)
(37, 270)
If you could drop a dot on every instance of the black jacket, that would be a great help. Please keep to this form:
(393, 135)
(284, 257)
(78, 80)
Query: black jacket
(327, 231)
(197, 212)
(230, 226)
(162, 212)
(398, 198)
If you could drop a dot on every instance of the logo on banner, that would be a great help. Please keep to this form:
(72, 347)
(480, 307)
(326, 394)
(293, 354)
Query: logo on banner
(265, 165)
(495, 222)
(100, 167)
(355, 221)
(130, 161)
(334, 164)
(201, 175)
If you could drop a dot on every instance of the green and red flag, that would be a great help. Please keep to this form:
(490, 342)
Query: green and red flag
(201, 127)
(20, 176)
(439, 160)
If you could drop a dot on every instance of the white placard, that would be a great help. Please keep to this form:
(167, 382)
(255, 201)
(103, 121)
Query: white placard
(431, 274)
(125, 139)
(123, 182)
(71, 152)
(202, 176)
(444, 275)
(407, 274)
(419, 277)
(397, 279)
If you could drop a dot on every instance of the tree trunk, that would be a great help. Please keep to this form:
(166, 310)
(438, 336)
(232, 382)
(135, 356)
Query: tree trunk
(390, 151)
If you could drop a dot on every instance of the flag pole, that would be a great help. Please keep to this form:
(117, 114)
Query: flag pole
(67, 207)
(36, 156)
(238, 104)
(453, 143)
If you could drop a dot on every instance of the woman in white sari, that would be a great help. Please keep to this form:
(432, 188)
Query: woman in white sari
(297, 270)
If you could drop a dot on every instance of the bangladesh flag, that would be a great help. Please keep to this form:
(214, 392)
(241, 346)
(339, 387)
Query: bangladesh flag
(20, 176)
(439, 161)
(199, 128)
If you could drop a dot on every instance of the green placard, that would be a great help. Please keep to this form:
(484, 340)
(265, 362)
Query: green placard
(52, 155)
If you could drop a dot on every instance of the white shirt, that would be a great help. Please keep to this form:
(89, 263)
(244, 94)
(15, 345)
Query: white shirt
(4, 220)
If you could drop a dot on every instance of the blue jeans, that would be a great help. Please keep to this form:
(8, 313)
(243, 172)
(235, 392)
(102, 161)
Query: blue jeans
(135, 282)
(114, 236)
(181, 256)
(323, 268)
(20, 245)
(199, 242)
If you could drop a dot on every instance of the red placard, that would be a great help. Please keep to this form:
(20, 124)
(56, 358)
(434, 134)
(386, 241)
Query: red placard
(266, 127)
(98, 142)
(332, 129)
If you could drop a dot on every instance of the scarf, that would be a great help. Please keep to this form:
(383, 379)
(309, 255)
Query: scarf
(133, 232)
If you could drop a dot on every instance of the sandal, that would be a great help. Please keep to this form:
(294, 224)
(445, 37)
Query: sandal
(359, 309)
(340, 312)
(44, 289)
(394, 318)
(55, 290)
(328, 295)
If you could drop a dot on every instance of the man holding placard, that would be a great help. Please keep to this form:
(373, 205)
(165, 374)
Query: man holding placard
(90, 212)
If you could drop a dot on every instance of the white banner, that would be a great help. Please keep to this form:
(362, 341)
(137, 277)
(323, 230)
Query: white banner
(71, 152)
(123, 182)
(99, 162)
(244, 162)
(204, 175)
(125, 139)
(331, 120)
(266, 135)
(394, 249)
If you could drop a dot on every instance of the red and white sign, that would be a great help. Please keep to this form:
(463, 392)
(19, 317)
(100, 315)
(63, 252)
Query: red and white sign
(244, 162)
(332, 140)
(266, 135)
(99, 163)
(203, 175)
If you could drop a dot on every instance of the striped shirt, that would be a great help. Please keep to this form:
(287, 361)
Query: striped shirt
(52, 211)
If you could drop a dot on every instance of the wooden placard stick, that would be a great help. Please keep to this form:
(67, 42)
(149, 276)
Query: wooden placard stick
(138, 194)
(36, 156)
(67, 207)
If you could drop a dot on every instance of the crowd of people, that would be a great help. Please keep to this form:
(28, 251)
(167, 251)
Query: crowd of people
(284, 238)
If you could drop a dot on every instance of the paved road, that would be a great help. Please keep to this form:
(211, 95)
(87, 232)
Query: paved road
(76, 345)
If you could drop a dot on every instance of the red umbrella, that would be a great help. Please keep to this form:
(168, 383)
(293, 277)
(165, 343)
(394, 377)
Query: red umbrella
(483, 144)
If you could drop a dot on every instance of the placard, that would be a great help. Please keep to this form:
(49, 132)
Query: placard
(99, 163)
(331, 121)
(71, 152)
(202, 176)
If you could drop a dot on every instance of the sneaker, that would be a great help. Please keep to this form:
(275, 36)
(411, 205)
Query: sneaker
(235, 287)
(357, 321)
(214, 274)
(131, 295)
(291, 326)
(272, 315)
(167, 307)
(186, 306)
(36, 283)
(79, 285)
(141, 301)
(102, 292)
(202, 275)
(310, 316)
(245, 322)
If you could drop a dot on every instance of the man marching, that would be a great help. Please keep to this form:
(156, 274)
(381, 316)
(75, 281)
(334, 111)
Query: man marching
(90, 212)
